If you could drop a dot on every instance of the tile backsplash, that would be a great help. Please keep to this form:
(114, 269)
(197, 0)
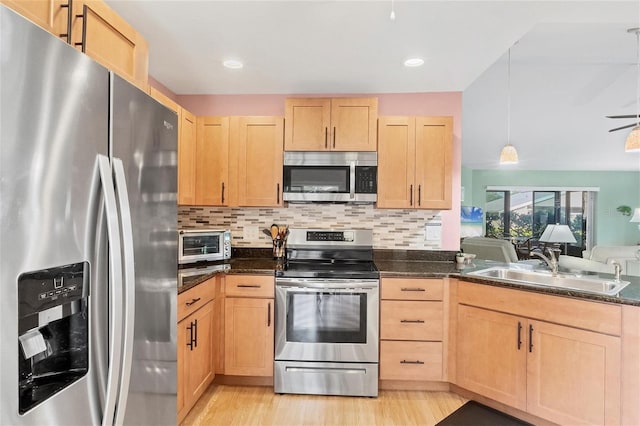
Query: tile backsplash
(392, 228)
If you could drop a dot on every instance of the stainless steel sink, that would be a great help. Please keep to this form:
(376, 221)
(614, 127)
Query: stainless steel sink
(544, 278)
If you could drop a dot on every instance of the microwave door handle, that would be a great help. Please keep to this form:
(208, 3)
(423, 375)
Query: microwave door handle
(352, 180)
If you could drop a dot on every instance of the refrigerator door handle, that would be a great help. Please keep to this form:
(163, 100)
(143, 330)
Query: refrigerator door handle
(115, 290)
(129, 287)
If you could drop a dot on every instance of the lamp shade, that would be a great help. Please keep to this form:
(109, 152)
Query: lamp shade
(508, 155)
(636, 215)
(632, 143)
(557, 234)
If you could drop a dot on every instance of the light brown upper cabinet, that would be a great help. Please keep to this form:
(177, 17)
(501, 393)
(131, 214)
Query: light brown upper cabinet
(258, 141)
(212, 163)
(187, 158)
(414, 162)
(336, 124)
(52, 15)
(102, 34)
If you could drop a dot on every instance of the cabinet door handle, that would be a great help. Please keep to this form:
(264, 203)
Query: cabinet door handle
(411, 195)
(419, 195)
(222, 192)
(404, 361)
(190, 328)
(412, 289)
(326, 137)
(277, 193)
(530, 338)
(269, 314)
(195, 334)
(83, 43)
(413, 321)
(249, 286)
(192, 301)
(334, 136)
(69, 6)
(519, 335)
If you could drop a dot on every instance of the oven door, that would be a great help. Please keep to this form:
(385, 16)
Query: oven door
(326, 320)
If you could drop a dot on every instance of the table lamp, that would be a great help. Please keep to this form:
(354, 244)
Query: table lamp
(558, 234)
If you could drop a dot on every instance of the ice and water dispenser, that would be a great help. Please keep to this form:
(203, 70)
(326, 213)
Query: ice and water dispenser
(53, 330)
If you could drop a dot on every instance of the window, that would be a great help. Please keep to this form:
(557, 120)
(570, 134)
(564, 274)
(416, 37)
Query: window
(521, 214)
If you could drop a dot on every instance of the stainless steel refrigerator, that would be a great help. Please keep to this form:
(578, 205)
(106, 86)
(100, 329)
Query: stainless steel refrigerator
(88, 243)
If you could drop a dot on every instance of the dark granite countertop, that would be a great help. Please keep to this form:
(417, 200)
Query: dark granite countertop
(425, 264)
(416, 268)
(255, 266)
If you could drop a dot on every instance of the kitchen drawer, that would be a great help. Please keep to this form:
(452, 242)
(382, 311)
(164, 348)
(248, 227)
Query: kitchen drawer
(238, 285)
(412, 289)
(408, 320)
(192, 299)
(410, 360)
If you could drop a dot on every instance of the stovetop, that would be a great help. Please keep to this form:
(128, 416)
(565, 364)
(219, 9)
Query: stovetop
(329, 269)
(338, 254)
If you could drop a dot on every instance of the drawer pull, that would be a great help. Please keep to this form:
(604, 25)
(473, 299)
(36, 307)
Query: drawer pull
(413, 321)
(412, 289)
(192, 301)
(249, 286)
(404, 361)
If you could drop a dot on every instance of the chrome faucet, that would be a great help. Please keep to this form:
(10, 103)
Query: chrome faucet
(551, 261)
(617, 268)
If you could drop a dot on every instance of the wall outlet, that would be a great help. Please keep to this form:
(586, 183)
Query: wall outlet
(250, 233)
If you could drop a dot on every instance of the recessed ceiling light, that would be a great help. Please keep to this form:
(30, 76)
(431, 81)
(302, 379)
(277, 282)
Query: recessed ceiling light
(413, 62)
(233, 64)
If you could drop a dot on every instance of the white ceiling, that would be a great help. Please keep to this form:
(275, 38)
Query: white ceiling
(573, 64)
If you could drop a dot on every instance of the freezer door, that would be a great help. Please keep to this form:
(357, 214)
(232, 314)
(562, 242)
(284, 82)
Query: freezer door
(53, 124)
(144, 137)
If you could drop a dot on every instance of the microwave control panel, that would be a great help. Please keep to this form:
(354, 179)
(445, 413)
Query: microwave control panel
(366, 180)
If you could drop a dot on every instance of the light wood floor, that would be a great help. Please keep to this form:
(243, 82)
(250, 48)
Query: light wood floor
(251, 405)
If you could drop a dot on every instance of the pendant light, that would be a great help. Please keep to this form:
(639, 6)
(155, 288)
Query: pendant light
(632, 144)
(509, 155)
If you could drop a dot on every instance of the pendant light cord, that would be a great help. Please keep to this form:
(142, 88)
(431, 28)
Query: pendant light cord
(638, 73)
(509, 97)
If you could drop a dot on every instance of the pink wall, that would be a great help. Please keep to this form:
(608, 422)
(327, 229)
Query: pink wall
(439, 103)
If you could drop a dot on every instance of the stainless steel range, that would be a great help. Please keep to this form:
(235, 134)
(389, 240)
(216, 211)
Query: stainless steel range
(326, 308)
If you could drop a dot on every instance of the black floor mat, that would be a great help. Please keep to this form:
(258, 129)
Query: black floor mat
(475, 414)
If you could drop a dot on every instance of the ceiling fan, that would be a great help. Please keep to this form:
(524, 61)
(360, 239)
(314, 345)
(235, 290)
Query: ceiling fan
(635, 123)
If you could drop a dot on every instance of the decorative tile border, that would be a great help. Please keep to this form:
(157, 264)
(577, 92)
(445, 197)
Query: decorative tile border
(392, 228)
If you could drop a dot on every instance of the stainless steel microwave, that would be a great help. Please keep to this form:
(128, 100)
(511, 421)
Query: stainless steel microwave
(334, 177)
(197, 245)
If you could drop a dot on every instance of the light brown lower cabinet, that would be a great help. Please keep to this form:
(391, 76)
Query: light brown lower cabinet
(411, 329)
(248, 325)
(195, 345)
(560, 373)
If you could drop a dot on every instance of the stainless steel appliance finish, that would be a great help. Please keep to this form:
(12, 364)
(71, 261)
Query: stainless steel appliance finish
(201, 245)
(326, 378)
(334, 177)
(334, 326)
(75, 172)
(326, 316)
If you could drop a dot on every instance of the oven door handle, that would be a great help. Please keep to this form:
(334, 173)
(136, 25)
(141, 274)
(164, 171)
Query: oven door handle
(326, 284)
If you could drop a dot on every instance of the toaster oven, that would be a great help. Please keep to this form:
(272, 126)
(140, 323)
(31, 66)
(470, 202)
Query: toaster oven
(198, 245)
